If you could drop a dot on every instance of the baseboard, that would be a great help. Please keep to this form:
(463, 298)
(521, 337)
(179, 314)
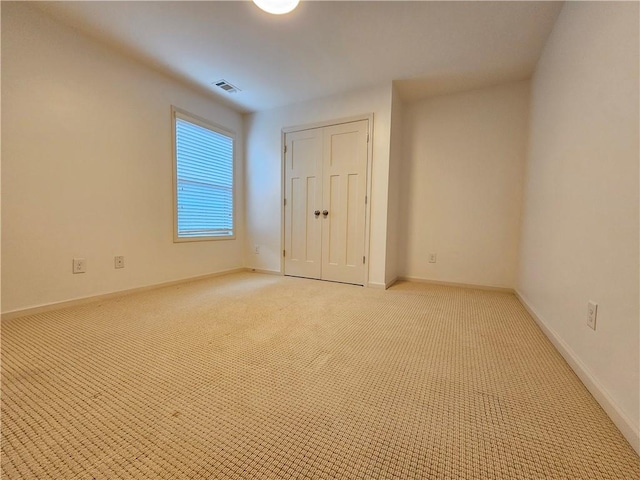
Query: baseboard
(380, 285)
(624, 424)
(105, 296)
(456, 284)
(391, 282)
(262, 270)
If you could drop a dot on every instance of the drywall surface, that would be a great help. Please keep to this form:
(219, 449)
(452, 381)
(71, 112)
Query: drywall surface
(263, 187)
(462, 173)
(579, 238)
(87, 168)
(0, 176)
(395, 187)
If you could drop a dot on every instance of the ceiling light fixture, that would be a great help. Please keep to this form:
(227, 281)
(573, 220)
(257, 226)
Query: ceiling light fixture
(277, 7)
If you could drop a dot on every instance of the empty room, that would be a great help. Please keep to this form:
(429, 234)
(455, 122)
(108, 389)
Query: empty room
(282, 239)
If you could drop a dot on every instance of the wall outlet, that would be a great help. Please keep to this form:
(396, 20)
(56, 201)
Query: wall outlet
(256, 249)
(118, 262)
(79, 265)
(592, 314)
(432, 258)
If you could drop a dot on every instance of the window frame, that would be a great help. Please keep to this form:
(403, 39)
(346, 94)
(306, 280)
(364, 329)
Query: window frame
(178, 113)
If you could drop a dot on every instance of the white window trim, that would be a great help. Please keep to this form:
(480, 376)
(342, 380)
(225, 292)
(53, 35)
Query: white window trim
(189, 117)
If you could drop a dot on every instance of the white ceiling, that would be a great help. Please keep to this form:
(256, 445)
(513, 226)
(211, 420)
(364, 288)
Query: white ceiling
(323, 48)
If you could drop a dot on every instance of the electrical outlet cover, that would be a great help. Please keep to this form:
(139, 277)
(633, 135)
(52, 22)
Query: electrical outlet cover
(592, 314)
(79, 265)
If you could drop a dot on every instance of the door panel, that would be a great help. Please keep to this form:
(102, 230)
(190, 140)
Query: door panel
(344, 189)
(334, 205)
(353, 246)
(303, 194)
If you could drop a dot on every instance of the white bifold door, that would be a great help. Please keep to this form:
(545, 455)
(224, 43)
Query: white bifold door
(325, 202)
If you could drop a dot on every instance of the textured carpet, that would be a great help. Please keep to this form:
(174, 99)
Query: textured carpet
(254, 376)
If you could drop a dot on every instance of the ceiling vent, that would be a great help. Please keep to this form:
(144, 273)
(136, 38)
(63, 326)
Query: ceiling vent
(226, 86)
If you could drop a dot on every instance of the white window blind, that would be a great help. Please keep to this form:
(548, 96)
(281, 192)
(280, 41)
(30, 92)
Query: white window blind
(204, 181)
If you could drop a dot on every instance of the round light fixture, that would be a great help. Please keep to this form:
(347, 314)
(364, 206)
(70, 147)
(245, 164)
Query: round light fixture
(277, 7)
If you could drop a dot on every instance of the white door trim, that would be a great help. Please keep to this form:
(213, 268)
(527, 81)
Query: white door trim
(328, 123)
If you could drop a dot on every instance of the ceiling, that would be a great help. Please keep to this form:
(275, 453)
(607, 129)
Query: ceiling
(322, 48)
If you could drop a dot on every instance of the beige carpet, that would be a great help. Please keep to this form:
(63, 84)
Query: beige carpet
(263, 377)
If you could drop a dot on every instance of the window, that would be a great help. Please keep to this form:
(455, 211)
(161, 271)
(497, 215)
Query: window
(203, 173)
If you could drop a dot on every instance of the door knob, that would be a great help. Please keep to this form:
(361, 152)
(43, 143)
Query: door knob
(325, 212)
(316, 213)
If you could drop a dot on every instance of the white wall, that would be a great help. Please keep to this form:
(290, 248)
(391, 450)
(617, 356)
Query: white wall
(462, 174)
(87, 168)
(264, 172)
(1, 310)
(395, 187)
(580, 218)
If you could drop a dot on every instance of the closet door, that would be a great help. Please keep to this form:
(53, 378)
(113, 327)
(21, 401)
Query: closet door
(325, 189)
(344, 183)
(303, 197)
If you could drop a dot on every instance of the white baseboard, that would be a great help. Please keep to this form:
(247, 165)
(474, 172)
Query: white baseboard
(624, 424)
(262, 270)
(380, 285)
(48, 307)
(391, 282)
(456, 284)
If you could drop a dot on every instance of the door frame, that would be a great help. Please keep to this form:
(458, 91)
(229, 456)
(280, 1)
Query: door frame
(367, 211)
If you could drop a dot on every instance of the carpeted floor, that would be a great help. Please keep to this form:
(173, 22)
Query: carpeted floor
(254, 376)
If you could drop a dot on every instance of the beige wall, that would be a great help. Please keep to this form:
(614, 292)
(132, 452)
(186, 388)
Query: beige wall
(580, 218)
(462, 172)
(264, 172)
(87, 168)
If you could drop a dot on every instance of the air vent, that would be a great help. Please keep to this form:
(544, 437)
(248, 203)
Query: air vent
(226, 86)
